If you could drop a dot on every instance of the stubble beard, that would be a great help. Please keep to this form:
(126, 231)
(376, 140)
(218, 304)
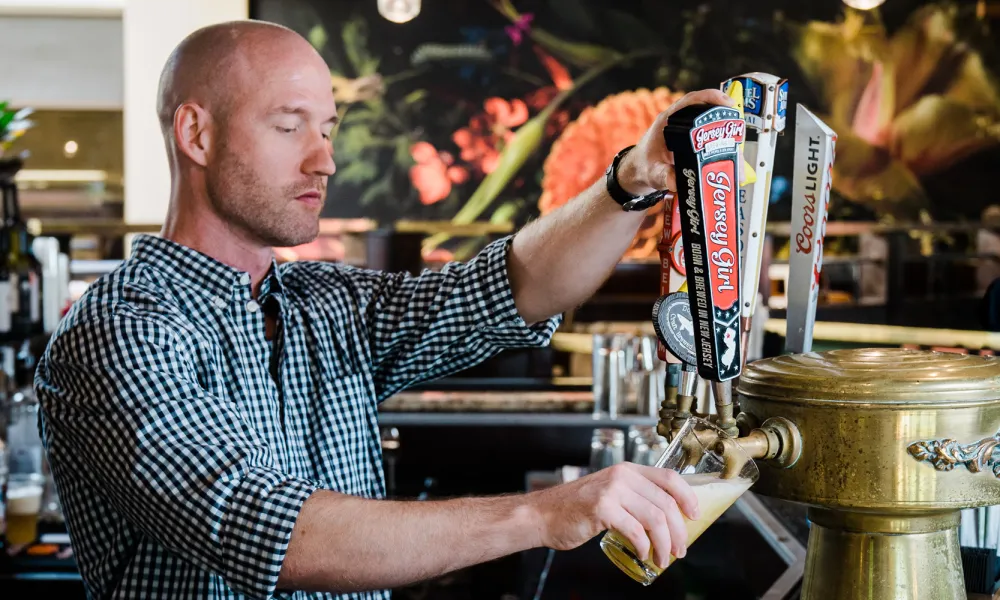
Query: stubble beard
(267, 215)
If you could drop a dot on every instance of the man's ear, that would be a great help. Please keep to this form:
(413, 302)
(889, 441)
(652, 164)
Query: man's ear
(193, 132)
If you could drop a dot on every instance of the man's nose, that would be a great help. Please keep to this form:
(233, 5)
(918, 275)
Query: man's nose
(320, 160)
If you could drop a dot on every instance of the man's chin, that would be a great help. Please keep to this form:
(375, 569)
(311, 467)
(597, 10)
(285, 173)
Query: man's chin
(298, 238)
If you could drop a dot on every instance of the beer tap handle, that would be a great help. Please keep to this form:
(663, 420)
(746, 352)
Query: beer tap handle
(671, 251)
(675, 332)
(815, 146)
(705, 141)
(763, 107)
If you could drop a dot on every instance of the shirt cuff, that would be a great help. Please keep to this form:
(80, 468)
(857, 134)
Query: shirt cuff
(258, 528)
(504, 327)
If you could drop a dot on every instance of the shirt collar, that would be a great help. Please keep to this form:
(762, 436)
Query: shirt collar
(186, 264)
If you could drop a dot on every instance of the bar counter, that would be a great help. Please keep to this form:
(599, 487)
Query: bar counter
(499, 409)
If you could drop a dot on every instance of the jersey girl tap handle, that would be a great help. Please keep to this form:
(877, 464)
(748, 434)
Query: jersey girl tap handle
(705, 142)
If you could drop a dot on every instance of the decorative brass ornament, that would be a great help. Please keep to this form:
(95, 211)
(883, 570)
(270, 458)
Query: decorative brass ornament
(946, 454)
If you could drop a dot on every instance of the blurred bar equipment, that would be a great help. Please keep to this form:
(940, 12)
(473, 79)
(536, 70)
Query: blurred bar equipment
(607, 448)
(610, 375)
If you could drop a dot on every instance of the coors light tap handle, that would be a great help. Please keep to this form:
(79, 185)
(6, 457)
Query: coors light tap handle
(704, 140)
(814, 154)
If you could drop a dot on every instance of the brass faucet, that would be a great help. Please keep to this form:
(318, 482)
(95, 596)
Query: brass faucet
(776, 440)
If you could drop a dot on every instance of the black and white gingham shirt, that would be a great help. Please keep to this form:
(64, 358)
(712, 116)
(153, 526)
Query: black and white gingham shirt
(183, 443)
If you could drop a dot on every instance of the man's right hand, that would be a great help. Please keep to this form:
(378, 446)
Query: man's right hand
(631, 499)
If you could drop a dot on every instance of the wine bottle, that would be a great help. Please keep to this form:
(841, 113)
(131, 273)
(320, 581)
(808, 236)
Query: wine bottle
(7, 189)
(24, 272)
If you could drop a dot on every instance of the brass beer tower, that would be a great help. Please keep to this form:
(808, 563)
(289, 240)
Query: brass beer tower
(884, 446)
(891, 445)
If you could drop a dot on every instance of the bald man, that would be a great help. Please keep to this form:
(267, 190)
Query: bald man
(211, 417)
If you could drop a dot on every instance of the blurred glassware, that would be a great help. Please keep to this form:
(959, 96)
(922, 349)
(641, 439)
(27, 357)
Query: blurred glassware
(607, 448)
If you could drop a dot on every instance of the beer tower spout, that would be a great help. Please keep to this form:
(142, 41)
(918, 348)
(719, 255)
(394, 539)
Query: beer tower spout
(723, 392)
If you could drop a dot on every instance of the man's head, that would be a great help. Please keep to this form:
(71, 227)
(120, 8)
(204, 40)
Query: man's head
(246, 110)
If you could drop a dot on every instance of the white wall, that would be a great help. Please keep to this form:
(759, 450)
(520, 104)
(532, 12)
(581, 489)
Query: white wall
(61, 62)
(63, 8)
(74, 54)
(151, 30)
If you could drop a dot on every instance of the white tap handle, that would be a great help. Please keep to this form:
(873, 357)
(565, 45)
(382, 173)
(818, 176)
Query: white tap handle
(815, 146)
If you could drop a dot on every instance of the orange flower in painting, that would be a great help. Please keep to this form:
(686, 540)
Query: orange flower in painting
(434, 174)
(540, 98)
(560, 76)
(585, 149)
(484, 138)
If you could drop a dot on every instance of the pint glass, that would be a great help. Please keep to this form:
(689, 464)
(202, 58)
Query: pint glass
(24, 502)
(717, 480)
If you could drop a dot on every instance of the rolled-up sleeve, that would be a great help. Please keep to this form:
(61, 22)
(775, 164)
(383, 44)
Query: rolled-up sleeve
(122, 401)
(427, 326)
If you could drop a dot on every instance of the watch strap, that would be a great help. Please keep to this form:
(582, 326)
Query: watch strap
(627, 201)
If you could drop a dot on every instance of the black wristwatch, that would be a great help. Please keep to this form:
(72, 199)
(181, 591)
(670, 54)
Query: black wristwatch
(627, 201)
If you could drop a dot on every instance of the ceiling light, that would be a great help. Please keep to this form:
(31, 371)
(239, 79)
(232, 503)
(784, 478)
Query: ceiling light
(399, 11)
(864, 4)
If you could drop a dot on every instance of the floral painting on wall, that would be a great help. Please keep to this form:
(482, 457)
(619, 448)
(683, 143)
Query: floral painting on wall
(503, 110)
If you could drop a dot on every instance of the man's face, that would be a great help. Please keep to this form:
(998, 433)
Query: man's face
(272, 153)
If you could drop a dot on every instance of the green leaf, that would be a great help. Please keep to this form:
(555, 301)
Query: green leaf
(353, 140)
(317, 37)
(377, 106)
(6, 117)
(355, 37)
(414, 96)
(382, 187)
(450, 53)
(357, 171)
(403, 157)
(506, 212)
(370, 66)
(359, 115)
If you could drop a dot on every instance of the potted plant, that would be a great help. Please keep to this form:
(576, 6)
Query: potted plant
(13, 124)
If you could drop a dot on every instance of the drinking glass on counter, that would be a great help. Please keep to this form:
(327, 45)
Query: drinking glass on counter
(23, 503)
(628, 377)
(645, 376)
(607, 447)
(610, 374)
(716, 483)
(645, 445)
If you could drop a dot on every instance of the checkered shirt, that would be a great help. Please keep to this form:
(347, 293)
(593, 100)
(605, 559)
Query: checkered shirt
(183, 443)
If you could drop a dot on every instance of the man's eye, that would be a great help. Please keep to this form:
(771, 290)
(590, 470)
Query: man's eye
(286, 129)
